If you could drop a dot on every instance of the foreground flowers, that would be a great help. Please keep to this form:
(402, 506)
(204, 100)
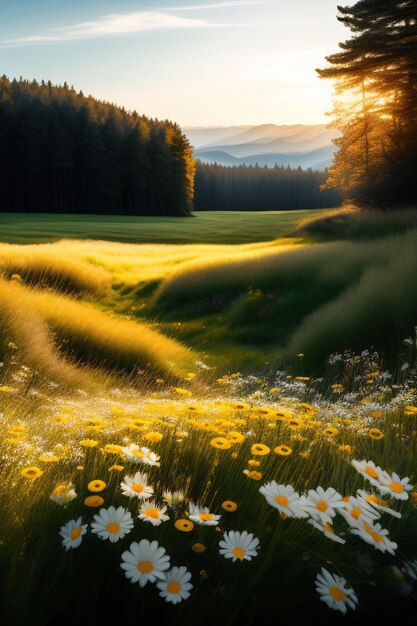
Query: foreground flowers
(145, 561)
(285, 499)
(136, 486)
(239, 546)
(176, 587)
(333, 590)
(202, 515)
(112, 524)
(72, 533)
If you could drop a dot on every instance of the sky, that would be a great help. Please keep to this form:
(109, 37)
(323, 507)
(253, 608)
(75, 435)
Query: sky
(199, 63)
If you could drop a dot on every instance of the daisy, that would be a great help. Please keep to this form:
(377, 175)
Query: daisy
(375, 535)
(135, 454)
(174, 498)
(358, 510)
(334, 592)
(202, 515)
(112, 523)
(72, 533)
(239, 546)
(63, 494)
(284, 498)
(327, 530)
(136, 486)
(377, 503)
(151, 512)
(395, 486)
(370, 471)
(322, 505)
(176, 587)
(145, 561)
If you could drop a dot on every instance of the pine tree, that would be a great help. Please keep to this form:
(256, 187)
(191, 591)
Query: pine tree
(376, 83)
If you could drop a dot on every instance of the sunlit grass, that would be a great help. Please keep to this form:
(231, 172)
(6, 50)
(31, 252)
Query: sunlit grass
(208, 447)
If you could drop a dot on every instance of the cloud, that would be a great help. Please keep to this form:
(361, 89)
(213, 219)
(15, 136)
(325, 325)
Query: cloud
(135, 22)
(115, 24)
(220, 5)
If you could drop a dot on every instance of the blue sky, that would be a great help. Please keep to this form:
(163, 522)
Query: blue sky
(203, 62)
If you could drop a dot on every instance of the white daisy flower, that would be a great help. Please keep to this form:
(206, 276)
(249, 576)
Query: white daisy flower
(285, 499)
(202, 515)
(239, 546)
(72, 533)
(145, 561)
(333, 590)
(327, 530)
(136, 486)
(375, 535)
(358, 510)
(136, 454)
(395, 486)
(322, 505)
(151, 512)
(370, 471)
(63, 494)
(176, 586)
(112, 523)
(377, 503)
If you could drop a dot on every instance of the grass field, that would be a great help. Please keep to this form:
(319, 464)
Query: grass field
(203, 227)
(200, 374)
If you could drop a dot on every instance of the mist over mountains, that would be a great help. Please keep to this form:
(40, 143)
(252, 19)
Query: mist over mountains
(267, 144)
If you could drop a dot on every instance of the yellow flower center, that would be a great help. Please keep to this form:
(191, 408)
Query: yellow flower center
(113, 529)
(74, 534)
(375, 500)
(322, 506)
(145, 567)
(376, 537)
(154, 513)
(328, 528)
(137, 488)
(355, 513)
(173, 587)
(396, 487)
(282, 500)
(58, 491)
(239, 553)
(371, 472)
(138, 454)
(337, 593)
(206, 517)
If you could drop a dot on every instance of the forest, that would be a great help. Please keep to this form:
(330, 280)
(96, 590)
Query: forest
(63, 152)
(255, 188)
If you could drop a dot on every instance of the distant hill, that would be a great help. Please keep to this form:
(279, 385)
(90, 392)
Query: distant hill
(267, 144)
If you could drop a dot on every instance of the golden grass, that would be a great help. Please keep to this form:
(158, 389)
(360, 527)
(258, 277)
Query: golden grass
(51, 265)
(51, 331)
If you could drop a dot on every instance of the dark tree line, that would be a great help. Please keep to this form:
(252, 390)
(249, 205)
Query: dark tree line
(376, 107)
(254, 188)
(63, 152)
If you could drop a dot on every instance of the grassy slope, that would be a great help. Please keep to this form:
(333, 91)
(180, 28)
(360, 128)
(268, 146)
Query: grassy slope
(244, 306)
(203, 227)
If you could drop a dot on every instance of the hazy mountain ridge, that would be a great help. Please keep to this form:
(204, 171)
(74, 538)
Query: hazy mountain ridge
(267, 144)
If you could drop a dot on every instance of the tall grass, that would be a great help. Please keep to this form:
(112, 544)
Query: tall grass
(314, 299)
(57, 335)
(52, 266)
(349, 222)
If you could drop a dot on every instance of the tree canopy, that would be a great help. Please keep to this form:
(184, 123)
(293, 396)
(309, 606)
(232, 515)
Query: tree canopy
(376, 103)
(61, 151)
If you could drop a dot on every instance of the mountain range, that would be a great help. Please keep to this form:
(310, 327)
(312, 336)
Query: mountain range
(268, 144)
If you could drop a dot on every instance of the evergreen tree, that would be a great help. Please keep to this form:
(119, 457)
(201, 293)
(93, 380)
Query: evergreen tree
(376, 83)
